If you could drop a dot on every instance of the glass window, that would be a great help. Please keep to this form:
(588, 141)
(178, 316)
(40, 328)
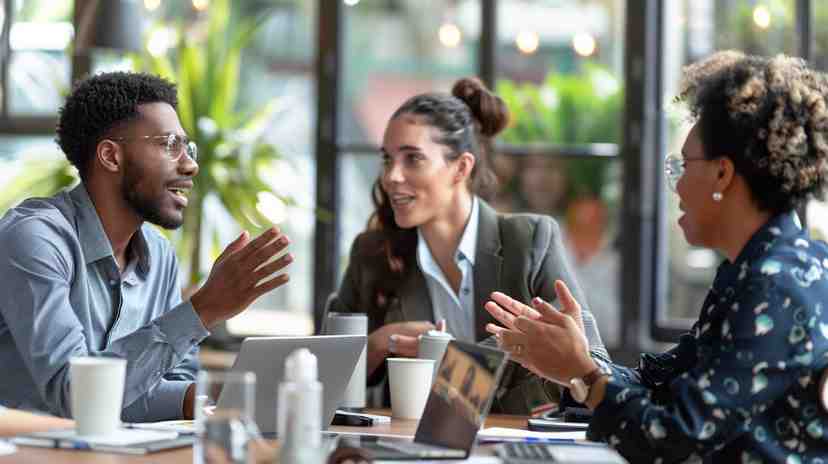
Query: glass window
(276, 103)
(39, 66)
(31, 167)
(396, 49)
(562, 83)
(278, 67)
(697, 29)
(563, 86)
(359, 171)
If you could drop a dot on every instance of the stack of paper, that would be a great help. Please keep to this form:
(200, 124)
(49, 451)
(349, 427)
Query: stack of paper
(502, 434)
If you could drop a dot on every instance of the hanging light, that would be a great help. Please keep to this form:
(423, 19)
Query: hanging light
(527, 41)
(584, 44)
(762, 16)
(450, 35)
(160, 40)
(352, 2)
(152, 5)
(201, 5)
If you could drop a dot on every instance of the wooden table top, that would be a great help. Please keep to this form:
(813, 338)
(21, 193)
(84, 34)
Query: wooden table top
(26, 455)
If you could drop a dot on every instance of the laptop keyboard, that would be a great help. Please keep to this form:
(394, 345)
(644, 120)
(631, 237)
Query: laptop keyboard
(530, 451)
(421, 450)
(524, 453)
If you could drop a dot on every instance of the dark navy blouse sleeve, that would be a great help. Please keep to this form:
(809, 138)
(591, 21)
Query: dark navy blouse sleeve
(742, 383)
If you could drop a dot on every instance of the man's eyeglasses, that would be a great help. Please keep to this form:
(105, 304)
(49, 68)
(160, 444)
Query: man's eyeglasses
(674, 168)
(174, 144)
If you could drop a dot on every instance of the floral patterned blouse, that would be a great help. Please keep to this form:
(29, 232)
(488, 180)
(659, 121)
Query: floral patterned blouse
(742, 385)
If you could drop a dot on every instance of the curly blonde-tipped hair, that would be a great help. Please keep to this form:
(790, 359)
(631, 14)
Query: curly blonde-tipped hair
(769, 116)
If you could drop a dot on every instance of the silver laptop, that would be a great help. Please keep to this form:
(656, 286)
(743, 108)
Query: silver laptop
(336, 356)
(457, 406)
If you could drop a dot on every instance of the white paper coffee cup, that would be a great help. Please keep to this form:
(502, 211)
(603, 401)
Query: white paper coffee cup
(433, 346)
(97, 393)
(410, 383)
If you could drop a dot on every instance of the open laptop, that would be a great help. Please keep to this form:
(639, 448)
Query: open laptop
(336, 357)
(458, 404)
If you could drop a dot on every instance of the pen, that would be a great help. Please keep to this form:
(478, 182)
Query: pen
(72, 444)
(548, 440)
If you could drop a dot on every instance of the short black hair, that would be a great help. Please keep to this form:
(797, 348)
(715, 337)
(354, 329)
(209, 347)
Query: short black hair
(99, 103)
(770, 117)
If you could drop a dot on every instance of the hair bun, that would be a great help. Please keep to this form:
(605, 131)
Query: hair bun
(488, 109)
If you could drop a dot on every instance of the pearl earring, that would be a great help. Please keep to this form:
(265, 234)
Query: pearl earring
(717, 196)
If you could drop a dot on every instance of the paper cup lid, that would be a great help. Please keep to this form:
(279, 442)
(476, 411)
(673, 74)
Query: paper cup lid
(438, 334)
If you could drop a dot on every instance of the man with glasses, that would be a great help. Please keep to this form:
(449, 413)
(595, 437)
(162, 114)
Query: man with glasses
(84, 275)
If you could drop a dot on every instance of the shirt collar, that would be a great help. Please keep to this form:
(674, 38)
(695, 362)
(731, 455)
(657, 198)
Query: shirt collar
(93, 239)
(782, 226)
(468, 243)
(466, 248)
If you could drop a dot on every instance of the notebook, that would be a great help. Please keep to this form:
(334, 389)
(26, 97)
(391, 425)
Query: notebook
(125, 441)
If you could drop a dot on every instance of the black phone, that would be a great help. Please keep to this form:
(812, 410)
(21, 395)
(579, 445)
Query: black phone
(555, 425)
(577, 415)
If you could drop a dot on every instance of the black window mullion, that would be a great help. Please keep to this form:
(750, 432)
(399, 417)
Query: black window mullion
(330, 36)
(643, 249)
(5, 56)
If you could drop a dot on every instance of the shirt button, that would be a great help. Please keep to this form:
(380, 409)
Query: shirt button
(113, 282)
(466, 291)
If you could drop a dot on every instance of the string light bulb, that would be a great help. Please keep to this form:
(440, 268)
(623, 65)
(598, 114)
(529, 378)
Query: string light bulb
(201, 5)
(584, 44)
(152, 5)
(450, 35)
(527, 42)
(762, 16)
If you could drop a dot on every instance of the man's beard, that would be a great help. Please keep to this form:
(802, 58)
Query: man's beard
(147, 207)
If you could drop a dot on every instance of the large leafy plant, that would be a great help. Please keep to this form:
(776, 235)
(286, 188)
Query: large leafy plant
(205, 65)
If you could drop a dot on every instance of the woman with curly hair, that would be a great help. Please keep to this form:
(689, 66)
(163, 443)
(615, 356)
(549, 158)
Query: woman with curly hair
(434, 249)
(743, 384)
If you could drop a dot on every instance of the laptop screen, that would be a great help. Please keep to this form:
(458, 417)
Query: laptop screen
(461, 396)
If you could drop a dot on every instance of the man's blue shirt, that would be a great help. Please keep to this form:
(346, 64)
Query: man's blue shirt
(62, 295)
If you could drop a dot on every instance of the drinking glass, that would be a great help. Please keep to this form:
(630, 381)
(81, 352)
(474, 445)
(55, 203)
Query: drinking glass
(225, 423)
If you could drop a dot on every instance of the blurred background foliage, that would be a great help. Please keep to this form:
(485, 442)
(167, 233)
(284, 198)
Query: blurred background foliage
(568, 110)
(235, 162)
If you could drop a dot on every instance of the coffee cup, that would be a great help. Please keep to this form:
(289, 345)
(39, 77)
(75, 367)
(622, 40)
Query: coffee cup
(410, 383)
(97, 393)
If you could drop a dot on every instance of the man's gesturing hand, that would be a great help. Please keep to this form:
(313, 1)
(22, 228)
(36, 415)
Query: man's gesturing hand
(234, 280)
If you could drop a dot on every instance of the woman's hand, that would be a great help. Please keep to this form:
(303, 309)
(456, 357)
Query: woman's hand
(399, 339)
(546, 341)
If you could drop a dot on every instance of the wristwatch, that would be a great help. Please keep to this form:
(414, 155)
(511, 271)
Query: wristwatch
(579, 386)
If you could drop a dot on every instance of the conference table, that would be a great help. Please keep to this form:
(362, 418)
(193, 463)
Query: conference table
(398, 427)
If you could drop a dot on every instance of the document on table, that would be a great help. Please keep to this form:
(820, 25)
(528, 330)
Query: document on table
(502, 434)
(183, 427)
(470, 460)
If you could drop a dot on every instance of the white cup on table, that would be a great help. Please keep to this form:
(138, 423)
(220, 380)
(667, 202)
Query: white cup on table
(410, 384)
(97, 393)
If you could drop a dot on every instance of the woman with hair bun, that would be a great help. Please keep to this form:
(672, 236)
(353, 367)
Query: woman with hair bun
(744, 384)
(434, 250)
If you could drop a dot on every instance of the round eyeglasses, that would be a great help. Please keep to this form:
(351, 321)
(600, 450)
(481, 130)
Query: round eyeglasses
(175, 145)
(674, 168)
